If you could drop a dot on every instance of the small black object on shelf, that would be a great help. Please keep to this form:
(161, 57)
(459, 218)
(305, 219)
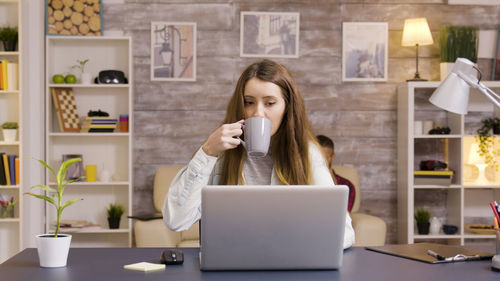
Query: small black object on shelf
(97, 113)
(450, 229)
(432, 165)
(111, 77)
(440, 131)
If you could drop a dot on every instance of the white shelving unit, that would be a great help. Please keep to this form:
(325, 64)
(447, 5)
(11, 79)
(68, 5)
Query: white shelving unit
(10, 111)
(109, 151)
(463, 202)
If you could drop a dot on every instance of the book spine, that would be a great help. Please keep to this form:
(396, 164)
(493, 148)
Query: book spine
(1, 76)
(16, 164)
(6, 168)
(3, 180)
(12, 159)
(12, 80)
(4, 74)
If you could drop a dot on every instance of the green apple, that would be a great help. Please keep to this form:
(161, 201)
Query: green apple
(70, 79)
(58, 79)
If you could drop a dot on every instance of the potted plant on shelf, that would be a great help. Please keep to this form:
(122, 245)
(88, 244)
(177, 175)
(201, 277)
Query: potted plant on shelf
(9, 130)
(8, 36)
(422, 217)
(53, 248)
(487, 141)
(456, 42)
(85, 77)
(7, 207)
(115, 212)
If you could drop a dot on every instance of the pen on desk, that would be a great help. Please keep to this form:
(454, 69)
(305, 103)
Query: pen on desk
(436, 255)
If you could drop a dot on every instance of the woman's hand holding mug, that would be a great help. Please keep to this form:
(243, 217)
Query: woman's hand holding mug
(223, 138)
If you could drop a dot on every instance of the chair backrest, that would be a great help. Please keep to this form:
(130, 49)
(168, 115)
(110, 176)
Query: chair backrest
(351, 174)
(163, 176)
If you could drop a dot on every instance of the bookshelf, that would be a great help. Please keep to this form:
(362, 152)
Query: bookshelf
(463, 202)
(111, 151)
(10, 111)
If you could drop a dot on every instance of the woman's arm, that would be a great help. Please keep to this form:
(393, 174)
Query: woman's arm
(181, 207)
(322, 176)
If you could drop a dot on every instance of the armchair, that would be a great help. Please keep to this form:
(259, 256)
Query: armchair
(154, 233)
(369, 230)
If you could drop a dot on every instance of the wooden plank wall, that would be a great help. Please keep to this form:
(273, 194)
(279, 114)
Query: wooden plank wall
(172, 119)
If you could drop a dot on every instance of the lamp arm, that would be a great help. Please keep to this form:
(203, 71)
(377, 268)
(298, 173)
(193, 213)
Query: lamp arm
(492, 96)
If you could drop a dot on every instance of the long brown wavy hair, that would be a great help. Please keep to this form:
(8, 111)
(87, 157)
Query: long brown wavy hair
(290, 143)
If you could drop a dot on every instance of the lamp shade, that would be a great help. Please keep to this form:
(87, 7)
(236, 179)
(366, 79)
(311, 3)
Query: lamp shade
(416, 31)
(453, 93)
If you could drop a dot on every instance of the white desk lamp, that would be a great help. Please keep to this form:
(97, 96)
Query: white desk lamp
(453, 95)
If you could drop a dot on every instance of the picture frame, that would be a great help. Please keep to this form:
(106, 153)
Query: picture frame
(173, 51)
(364, 51)
(269, 34)
(495, 70)
(78, 18)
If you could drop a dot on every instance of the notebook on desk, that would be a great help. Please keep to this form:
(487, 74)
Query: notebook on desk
(419, 252)
(272, 227)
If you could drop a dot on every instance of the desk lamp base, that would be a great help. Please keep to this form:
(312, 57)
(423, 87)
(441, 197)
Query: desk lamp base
(495, 263)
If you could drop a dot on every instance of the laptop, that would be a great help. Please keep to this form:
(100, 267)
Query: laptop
(272, 227)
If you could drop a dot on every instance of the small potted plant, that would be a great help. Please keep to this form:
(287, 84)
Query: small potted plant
(9, 130)
(487, 141)
(115, 212)
(8, 36)
(85, 77)
(422, 216)
(53, 249)
(456, 42)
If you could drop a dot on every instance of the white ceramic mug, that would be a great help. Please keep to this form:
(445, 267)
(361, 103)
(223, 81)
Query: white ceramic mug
(257, 132)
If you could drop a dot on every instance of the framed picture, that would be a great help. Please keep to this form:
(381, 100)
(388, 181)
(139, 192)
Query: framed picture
(364, 51)
(83, 18)
(495, 70)
(269, 34)
(173, 51)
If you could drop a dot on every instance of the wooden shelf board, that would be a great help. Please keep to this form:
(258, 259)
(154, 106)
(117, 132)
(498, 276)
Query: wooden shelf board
(89, 134)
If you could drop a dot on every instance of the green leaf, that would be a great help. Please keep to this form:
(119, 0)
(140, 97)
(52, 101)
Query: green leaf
(46, 198)
(62, 170)
(69, 202)
(46, 166)
(44, 187)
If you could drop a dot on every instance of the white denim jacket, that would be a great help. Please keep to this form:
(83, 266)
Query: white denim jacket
(182, 205)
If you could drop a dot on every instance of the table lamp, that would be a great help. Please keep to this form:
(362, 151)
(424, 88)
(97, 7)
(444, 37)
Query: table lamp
(453, 95)
(477, 160)
(416, 32)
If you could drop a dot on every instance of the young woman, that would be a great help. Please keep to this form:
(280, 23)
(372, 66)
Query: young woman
(264, 89)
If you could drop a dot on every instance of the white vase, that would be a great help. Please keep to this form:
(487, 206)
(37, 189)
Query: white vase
(9, 135)
(445, 68)
(53, 252)
(435, 226)
(86, 78)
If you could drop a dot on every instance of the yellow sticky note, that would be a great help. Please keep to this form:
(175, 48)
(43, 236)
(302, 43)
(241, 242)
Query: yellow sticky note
(144, 266)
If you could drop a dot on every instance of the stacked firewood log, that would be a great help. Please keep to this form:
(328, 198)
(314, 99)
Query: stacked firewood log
(74, 17)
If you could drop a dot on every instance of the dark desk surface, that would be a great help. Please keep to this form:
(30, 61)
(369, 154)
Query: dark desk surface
(94, 264)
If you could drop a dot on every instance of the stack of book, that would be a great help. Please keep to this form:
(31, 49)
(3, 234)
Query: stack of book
(8, 75)
(433, 177)
(9, 169)
(98, 124)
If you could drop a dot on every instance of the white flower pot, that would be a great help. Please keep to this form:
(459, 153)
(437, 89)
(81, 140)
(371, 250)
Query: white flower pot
(9, 135)
(86, 78)
(445, 68)
(53, 252)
